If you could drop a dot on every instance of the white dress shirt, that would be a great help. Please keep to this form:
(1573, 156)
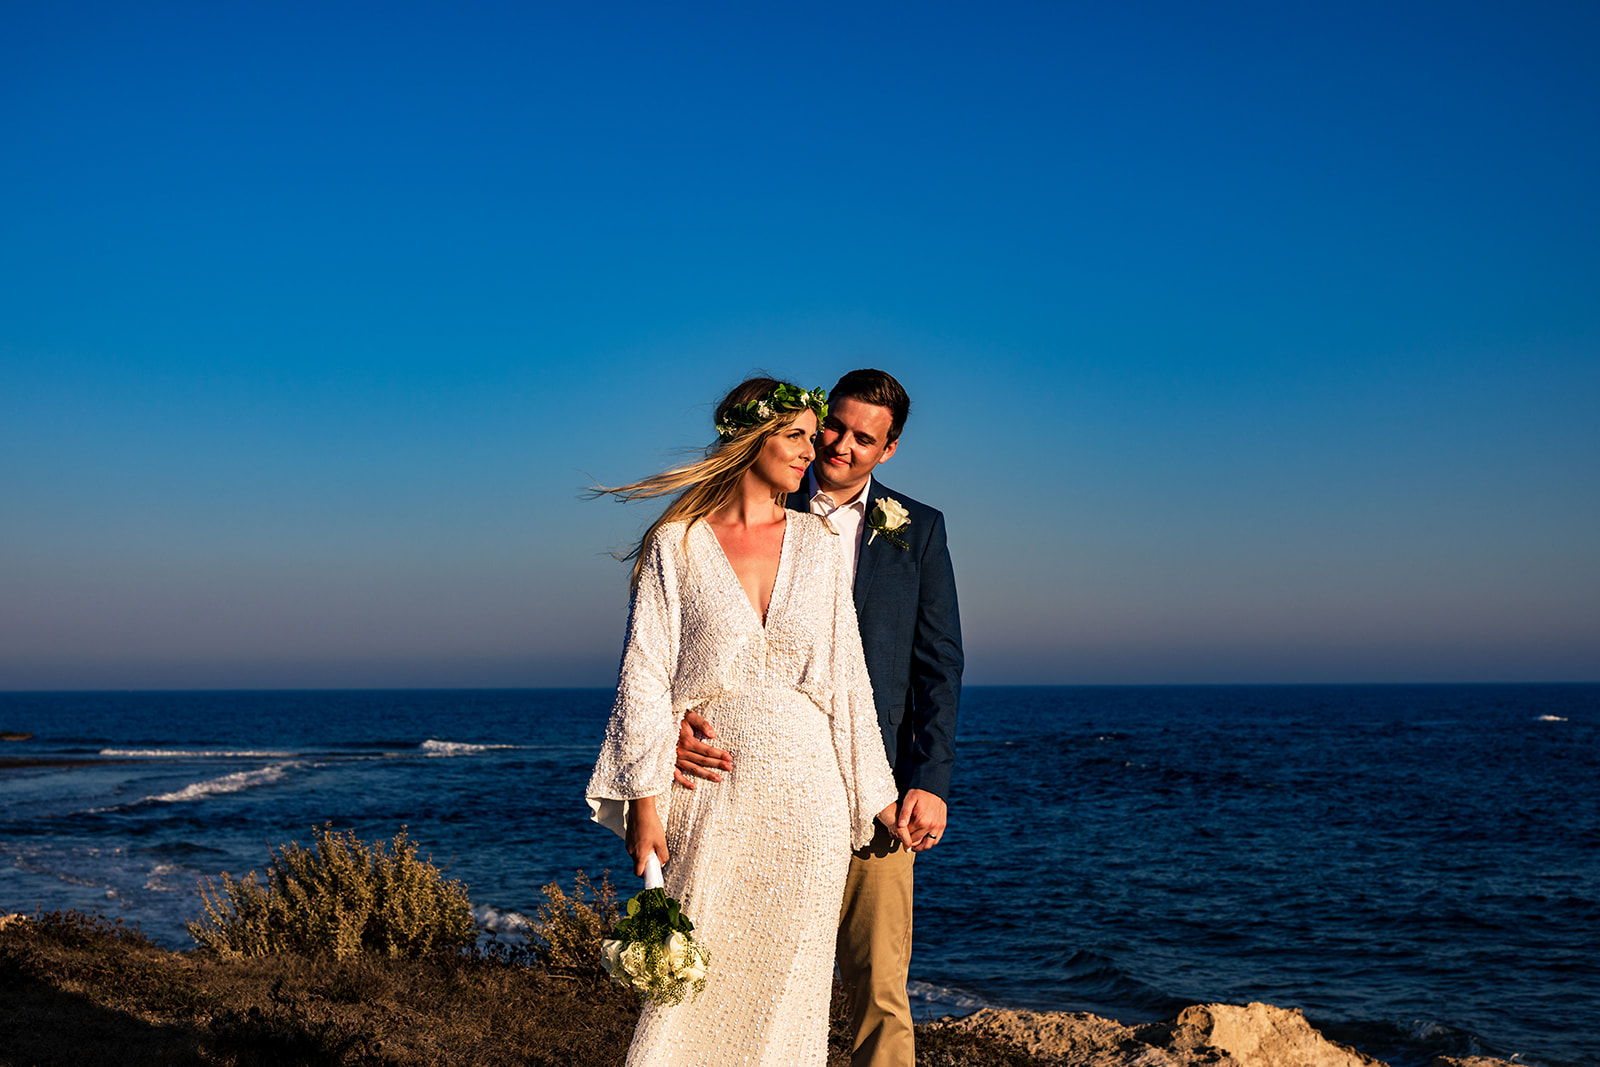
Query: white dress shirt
(847, 520)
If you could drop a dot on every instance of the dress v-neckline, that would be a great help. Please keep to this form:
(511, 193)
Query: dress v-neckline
(777, 578)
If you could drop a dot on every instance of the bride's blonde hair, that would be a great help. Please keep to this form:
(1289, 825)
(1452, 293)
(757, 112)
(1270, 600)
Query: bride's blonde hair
(710, 484)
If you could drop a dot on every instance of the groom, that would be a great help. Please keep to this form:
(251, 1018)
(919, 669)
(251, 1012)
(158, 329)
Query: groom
(905, 595)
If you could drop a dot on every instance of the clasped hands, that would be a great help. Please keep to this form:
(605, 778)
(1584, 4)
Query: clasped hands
(917, 821)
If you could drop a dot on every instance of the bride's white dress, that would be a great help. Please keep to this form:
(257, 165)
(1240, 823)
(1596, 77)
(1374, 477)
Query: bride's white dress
(759, 860)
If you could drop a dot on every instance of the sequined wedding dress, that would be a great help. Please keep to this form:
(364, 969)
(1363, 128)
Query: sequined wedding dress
(759, 860)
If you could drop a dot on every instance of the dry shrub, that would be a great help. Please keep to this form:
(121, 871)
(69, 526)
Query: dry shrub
(570, 928)
(339, 900)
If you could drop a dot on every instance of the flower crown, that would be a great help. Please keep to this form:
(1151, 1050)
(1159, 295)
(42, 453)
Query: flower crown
(753, 413)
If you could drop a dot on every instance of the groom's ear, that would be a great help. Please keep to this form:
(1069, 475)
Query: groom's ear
(889, 450)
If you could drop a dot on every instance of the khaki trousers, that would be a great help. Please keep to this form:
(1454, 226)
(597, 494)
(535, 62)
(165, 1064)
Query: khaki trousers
(874, 953)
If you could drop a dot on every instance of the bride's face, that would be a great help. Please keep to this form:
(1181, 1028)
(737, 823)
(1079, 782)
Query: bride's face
(783, 460)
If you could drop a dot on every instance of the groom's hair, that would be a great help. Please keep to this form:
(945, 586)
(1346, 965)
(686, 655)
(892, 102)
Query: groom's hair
(876, 387)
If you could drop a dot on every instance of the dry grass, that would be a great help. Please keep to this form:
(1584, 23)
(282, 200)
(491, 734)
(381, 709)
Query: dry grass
(78, 990)
(570, 928)
(82, 991)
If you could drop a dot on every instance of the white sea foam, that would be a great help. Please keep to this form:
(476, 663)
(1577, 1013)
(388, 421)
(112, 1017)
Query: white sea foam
(1551, 718)
(157, 880)
(511, 926)
(189, 753)
(457, 748)
(228, 783)
(943, 998)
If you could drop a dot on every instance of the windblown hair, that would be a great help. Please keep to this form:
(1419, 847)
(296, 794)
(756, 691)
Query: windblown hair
(876, 387)
(710, 484)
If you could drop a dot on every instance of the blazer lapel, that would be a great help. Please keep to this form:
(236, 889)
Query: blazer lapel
(871, 549)
(867, 562)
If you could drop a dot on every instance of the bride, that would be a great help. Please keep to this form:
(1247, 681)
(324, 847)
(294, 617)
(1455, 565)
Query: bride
(742, 611)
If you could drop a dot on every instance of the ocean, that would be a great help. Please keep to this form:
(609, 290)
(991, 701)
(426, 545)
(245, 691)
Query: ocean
(1416, 867)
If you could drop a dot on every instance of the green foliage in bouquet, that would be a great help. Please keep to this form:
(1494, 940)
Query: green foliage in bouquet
(340, 900)
(654, 951)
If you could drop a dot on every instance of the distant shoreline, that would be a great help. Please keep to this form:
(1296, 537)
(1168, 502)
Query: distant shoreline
(13, 763)
(611, 686)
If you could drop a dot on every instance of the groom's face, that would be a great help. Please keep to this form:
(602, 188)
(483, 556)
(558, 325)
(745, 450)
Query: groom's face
(853, 440)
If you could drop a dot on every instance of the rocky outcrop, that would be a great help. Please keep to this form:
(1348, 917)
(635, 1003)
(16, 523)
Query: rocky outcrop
(1206, 1035)
(1260, 1035)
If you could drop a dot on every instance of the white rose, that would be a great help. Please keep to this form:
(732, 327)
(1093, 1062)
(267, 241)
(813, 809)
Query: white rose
(632, 960)
(678, 952)
(610, 956)
(891, 513)
(693, 968)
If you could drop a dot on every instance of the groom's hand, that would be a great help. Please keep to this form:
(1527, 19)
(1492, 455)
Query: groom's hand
(696, 759)
(922, 819)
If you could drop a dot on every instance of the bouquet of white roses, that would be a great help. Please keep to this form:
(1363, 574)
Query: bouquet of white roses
(654, 950)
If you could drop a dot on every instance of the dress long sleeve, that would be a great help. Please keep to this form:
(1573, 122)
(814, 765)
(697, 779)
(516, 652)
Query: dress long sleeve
(637, 756)
(857, 737)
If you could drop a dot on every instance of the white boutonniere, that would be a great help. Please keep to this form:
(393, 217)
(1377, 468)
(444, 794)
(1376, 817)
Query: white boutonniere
(888, 517)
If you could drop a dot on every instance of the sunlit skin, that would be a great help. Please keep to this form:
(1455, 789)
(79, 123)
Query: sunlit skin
(852, 443)
(750, 531)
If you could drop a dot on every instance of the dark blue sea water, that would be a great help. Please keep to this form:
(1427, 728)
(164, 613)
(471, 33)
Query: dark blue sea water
(1418, 868)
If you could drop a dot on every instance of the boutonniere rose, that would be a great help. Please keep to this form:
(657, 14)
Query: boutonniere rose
(888, 517)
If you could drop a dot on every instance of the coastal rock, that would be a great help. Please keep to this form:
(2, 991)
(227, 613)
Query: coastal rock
(1206, 1035)
(14, 917)
(1070, 1037)
(1260, 1035)
(1085, 1040)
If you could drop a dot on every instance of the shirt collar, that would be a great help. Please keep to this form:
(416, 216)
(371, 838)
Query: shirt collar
(860, 502)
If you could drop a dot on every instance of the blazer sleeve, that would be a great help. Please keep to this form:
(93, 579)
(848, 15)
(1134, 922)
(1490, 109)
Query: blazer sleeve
(641, 740)
(936, 664)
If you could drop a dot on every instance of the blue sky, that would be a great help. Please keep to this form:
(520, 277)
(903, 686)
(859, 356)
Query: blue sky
(1247, 342)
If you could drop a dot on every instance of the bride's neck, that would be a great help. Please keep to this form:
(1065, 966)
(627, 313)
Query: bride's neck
(756, 504)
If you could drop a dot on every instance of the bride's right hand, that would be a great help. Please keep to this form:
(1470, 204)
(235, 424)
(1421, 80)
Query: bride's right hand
(645, 833)
(890, 818)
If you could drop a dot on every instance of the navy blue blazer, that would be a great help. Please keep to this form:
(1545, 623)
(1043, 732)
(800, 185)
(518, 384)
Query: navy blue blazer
(911, 633)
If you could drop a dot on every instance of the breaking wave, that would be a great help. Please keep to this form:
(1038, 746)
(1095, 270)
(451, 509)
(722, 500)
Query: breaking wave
(228, 783)
(189, 753)
(457, 748)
